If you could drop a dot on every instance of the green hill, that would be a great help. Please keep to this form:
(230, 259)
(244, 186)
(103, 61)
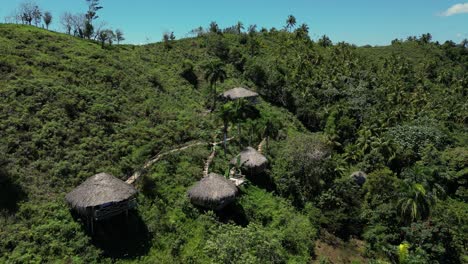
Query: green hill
(70, 108)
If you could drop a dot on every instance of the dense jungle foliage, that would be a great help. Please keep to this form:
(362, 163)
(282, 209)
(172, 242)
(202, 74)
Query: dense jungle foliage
(70, 108)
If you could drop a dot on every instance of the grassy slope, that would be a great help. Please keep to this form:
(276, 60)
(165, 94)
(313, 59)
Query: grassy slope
(70, 109)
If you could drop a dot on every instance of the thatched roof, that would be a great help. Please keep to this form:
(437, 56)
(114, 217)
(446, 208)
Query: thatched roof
(239, 92)
(251, 161)
(100, 189)
(213, 192)
(359, 177)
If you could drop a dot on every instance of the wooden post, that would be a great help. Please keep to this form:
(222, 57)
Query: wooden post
(92, 221)
(225, 131)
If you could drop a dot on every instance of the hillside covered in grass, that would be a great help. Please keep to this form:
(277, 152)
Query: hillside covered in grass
(71, 108)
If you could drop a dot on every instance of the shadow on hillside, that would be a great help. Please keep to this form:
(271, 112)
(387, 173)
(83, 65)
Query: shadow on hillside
(10, 194)
(264, 181)
(233, 212)
(122, 237)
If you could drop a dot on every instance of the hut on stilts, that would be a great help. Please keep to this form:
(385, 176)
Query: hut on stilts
(251, 161)
(213, 192)
(100, 197)
(239, 93)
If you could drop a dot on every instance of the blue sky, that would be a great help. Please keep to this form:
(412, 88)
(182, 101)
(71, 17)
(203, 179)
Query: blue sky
(359, 21)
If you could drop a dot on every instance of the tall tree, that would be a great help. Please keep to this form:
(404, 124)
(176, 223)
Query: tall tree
(214, 73)
(29, 12)
(66, 19)
(290, 22)
(168, 38)
(199, 31)
(93, 7)
(425, 38)
(252, 29)
(106, 35)
(227, 115)
(78, 22)
(302, 31)
(47, 17)
(464, 43)
(214, 28)
(88, 29)
(325, 41)
(91, 15)
(239, 27)
(119, 36)
(37, 15)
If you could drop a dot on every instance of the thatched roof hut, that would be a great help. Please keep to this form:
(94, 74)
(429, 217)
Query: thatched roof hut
(238, 93)
(252, 162)
(213, 192)
(102, 196)
(359, 177)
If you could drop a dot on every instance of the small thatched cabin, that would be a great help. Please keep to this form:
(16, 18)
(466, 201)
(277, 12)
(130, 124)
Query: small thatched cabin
(251, 161)
(102, 196)
(359, 177)
(213, 192)
(238, 93)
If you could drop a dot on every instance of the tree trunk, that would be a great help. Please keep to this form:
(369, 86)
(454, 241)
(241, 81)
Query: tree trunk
(214, 97)
(225, 130)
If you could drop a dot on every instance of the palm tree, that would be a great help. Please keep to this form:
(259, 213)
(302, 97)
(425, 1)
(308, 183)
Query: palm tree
(230, 113)
(119, 36)
(269, 128)
(239, 27)
(302, 31)
(290, 22)
(252, 29)
(214, 28)
(214, 73)
(414, 202)
(464, 43)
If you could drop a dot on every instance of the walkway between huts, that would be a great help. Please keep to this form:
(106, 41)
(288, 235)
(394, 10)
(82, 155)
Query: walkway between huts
(150, 162)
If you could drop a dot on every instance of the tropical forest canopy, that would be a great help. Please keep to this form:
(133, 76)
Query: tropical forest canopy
(73, 105)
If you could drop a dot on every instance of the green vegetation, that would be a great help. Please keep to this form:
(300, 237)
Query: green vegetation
(73, 107)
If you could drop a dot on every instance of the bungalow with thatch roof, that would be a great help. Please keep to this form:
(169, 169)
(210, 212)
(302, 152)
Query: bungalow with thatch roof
(359, 177)
(213, 192)
(102, 196)
(251, 161)
(239, 93)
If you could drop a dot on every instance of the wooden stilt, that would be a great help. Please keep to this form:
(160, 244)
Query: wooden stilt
(92, 221)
